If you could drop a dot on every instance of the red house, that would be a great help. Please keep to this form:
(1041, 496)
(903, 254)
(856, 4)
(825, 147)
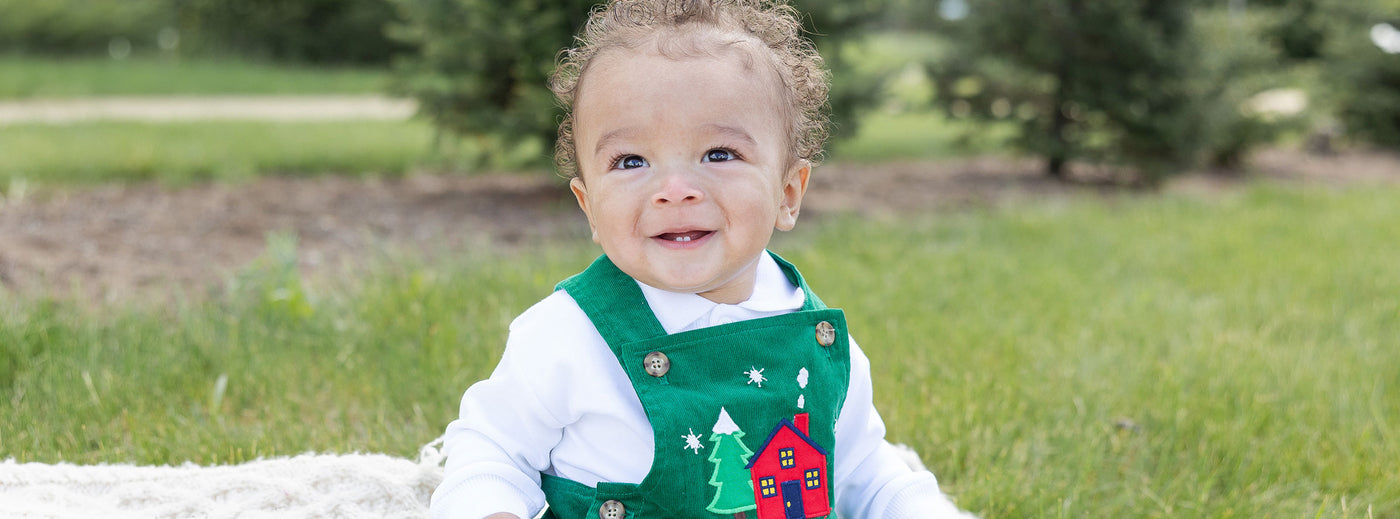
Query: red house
(789, 474)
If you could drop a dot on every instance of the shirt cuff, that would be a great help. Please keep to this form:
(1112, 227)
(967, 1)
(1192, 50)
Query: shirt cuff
(481, 495)
(916, 496)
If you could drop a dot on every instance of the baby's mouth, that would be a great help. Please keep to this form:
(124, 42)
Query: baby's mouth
(683, 237)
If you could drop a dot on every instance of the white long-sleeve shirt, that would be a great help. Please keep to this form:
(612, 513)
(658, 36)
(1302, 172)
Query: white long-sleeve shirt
(559, 403)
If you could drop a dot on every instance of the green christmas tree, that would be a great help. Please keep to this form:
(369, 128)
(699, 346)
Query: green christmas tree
(734, 486)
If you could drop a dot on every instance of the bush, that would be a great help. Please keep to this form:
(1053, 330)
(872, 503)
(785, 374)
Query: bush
(80, 26)
(311, 31)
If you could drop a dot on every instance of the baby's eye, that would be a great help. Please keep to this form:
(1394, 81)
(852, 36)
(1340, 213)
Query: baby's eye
(629, 162)
(720, 155)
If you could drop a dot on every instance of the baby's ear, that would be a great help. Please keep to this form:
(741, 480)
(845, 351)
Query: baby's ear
(581, 194)
(794, 187)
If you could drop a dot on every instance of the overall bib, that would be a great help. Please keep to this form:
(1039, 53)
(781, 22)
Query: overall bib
(743, 414)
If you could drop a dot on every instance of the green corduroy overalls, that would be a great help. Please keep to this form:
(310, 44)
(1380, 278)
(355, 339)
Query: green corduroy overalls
(743, 414)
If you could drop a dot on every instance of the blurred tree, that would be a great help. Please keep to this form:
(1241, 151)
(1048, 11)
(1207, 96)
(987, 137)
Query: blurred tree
(480, 67)
(1300, 32)
(314, 31)
(80, 26)
(1363, 76)
(834, 25)
(1104, 80)
(1242, 65)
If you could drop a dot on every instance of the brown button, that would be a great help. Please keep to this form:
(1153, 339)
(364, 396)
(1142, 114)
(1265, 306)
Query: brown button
(657, 364)
(612, 510)
(826, 334)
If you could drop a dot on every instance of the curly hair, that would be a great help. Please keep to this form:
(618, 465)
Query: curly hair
(772, 23)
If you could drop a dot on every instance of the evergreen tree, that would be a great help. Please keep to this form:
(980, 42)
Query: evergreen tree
(734, 485)
(1104, 80)
(1362, 69)
(481, 65)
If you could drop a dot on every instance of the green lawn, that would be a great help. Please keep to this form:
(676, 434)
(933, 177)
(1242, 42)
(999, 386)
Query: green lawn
(1136, 357)
(27, 76)
(920, 135)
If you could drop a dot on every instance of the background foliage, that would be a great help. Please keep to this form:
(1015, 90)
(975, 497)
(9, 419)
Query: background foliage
(312, 31)
(1366, 80)
(481, 65)
(1144, 88)
(80, 26)
(1106, 80)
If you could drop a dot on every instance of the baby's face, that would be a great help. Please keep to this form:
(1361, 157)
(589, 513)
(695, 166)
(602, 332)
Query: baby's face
(685, 167)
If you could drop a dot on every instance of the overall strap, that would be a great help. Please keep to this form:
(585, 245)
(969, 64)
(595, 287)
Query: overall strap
(614, 302)
(812, 302)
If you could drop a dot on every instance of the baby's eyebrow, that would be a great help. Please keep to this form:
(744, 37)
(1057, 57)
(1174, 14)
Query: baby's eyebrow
(618, 134)
(731, 131)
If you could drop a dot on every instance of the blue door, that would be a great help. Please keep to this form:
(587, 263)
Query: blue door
(792, 500)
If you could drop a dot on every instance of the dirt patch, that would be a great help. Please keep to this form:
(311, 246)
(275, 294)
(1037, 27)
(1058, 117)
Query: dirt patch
(118, 243)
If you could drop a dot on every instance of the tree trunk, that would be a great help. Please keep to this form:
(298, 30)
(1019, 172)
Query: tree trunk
(1064, 71)
(1059, 146)
(1055, 167)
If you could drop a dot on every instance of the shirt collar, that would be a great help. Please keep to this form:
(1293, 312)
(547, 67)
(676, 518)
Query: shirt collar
(772, 293)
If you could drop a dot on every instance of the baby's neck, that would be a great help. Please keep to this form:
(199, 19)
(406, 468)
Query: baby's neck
(737, 289)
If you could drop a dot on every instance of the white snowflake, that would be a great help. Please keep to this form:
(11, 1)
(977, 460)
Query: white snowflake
(802, 378)
(692, 442)
(755, 376)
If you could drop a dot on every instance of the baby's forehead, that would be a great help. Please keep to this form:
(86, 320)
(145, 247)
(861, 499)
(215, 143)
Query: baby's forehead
(736, 50)
(710, 42)
(689, 42)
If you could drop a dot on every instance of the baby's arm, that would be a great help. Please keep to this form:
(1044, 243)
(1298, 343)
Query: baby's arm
(501, 442)
(873, 480)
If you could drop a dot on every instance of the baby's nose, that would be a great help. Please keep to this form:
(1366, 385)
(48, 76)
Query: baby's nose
(678, 186)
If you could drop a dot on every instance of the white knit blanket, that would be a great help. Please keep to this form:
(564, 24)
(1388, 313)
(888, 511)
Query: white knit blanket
(309, 485)
(305, 486)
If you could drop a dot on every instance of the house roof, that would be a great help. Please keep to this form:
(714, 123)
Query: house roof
(784, 423)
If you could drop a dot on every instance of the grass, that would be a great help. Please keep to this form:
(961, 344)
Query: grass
(101, 152)
(1139, 357)
(884, 135)
(49, 77)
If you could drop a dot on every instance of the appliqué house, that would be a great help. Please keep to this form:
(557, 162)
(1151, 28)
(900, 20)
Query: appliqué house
(789, 474)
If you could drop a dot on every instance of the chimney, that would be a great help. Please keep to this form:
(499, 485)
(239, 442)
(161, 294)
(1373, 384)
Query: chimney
(800, 421)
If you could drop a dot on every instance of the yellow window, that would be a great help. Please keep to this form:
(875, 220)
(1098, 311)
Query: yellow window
(768, 487)
(785, 458)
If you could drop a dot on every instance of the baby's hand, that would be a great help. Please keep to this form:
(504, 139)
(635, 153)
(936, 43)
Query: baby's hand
(502, 515)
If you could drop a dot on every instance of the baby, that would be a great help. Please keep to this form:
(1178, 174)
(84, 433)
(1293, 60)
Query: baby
(688, 372)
